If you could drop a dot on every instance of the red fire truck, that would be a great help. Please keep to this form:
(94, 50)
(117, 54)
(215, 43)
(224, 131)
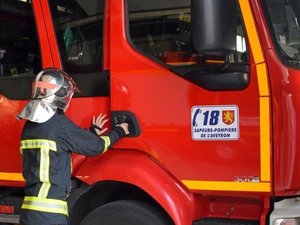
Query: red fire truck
(209, 88)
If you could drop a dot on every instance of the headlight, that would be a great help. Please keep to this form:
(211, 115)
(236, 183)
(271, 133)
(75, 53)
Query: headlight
(287, 221)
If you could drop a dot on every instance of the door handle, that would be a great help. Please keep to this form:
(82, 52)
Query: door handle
(119, 117)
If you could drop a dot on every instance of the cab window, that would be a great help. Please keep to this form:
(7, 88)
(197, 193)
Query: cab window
(283, 18)
(79, 32)
(79, 26)
(162, 31)
(19, 49)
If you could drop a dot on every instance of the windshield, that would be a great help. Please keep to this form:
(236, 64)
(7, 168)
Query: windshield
(284, 16)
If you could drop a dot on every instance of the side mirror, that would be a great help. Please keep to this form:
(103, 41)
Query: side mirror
(213, 26)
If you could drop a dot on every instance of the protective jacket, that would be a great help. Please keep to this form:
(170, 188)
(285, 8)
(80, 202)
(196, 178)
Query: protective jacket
(46, 151)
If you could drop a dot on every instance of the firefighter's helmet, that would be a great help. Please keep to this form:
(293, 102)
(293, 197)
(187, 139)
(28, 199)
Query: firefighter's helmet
(52, 89)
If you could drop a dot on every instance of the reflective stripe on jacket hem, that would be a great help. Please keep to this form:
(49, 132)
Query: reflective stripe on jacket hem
(45, 205)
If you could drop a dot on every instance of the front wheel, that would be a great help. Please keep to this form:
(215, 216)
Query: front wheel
(125, 212)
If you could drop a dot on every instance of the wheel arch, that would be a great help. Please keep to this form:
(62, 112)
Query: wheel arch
(134, 172)
(105, 192)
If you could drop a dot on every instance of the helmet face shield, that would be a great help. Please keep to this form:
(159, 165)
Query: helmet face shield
(51, 89)
(55, 87)
(46, 84)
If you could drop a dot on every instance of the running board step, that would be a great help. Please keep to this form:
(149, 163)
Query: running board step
(220, 221)
(9, 218)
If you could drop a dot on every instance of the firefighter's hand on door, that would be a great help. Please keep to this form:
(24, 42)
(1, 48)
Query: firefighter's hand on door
(99, 123)
(125, 127)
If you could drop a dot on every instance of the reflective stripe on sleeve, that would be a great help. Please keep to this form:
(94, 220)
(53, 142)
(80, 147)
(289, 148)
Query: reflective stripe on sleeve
(106, 140)
(45, 205)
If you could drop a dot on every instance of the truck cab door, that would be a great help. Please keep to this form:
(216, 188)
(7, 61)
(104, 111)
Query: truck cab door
(199, 94)
(24, 50)
(69, 36)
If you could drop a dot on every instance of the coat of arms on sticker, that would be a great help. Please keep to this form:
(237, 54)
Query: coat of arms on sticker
(228, 116)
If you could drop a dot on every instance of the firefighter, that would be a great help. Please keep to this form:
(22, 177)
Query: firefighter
(47, 142)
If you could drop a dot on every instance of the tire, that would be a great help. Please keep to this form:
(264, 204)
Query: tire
(125, 212)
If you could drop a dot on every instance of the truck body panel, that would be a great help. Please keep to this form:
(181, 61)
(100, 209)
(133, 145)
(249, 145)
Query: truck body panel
(213, 120)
